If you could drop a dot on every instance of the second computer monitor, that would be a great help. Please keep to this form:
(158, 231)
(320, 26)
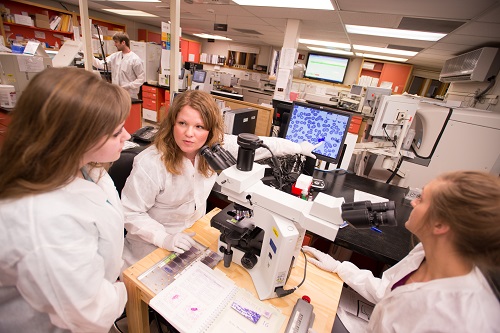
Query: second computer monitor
(315, 123)
(199, 76)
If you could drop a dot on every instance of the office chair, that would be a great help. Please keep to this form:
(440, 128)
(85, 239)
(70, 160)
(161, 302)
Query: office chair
(120, 169)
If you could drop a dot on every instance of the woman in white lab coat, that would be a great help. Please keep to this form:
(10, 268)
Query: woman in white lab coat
(61, 220)
(170, 182)
(442, 284)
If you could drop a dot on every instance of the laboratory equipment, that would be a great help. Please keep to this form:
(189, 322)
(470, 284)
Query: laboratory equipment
(371, 99)
(19, 69)
(202, 80)
(302, 317)
(240, 121)
(315, 123)
(365, 214)
(264, 228)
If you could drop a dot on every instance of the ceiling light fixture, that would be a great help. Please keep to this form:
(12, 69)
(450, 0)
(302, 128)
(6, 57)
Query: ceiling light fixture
(396, 33)
(384, 50)
(325, 50)
(310, 4)
(382, 57)
(127, 12)
(324, 43)
(203, 35)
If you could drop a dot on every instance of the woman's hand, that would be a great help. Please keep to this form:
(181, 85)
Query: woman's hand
(179, 242)
(321, 259)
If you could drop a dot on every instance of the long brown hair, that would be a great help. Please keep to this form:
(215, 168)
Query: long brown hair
(469, 202)
(203, 102)
(61, 115)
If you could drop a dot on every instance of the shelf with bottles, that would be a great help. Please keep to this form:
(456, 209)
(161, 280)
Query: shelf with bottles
(36, 24)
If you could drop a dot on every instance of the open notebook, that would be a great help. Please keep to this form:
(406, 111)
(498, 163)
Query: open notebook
(205, 300)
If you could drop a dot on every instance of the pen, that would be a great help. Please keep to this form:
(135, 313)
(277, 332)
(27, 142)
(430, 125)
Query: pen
(376, 229)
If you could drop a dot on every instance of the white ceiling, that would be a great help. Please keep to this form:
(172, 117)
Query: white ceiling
(474, 23)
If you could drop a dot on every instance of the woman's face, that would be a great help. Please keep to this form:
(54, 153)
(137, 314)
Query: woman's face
(416, 222)
(190, 132)
(108, 149)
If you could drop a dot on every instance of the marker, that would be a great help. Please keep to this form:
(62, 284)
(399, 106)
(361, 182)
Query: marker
(376, 229)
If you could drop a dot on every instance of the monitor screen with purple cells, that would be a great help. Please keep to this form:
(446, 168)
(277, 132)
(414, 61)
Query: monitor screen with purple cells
(315, 123)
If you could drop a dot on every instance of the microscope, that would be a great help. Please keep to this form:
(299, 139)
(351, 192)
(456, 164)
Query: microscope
(264, 228)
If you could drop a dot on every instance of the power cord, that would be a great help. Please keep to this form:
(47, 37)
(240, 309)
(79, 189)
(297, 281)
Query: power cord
(282, 292)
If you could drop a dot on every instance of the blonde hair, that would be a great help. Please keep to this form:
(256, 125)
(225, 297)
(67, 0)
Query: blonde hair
(60, 116)
(203, 102)
(469, 202)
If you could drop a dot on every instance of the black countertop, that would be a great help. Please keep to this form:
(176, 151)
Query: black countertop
(393, 243)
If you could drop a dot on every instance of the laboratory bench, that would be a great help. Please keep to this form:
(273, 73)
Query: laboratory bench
(322, 287)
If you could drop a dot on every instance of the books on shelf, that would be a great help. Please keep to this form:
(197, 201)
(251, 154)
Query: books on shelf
(205, 300)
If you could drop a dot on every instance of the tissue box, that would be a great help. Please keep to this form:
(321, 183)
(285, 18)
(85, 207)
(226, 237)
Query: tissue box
(23, 19)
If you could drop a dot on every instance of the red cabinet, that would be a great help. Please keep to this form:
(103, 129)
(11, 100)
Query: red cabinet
(155, 102)
(4, 124)
(398, 74)
(190, 47)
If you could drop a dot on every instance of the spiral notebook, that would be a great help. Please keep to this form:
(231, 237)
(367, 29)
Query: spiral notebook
(204, 300)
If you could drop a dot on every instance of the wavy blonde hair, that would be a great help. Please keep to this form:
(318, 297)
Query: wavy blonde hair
(60, 116)
(203, 102)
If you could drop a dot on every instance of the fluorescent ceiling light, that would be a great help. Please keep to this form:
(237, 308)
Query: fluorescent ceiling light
(324, 43)
(308, 4)
(127, 12)
(212, 36)
(382, 57)
(396, 33)
(321, 49)
(384, 50)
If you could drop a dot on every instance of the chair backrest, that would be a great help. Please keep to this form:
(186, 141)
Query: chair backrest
(120, 169)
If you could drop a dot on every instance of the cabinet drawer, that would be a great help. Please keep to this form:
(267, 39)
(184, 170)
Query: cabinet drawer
(150, 115)
(4, 119)
(150, 95)
(3, 129)
(149, 104)
(149, 89)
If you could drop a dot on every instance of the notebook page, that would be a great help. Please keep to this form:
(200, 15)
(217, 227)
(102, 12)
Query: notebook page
(194, 298)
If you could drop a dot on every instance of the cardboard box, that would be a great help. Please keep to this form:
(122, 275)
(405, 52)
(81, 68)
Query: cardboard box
(42, 21)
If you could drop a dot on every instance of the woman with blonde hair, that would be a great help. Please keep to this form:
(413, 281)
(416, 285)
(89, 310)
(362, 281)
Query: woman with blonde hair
(445, 283)
(170, 182)
(61, 220)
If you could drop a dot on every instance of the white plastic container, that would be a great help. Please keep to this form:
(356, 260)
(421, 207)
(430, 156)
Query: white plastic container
(7, 96)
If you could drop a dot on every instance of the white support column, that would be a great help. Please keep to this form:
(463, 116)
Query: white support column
(86, 34)
(287, 60)
(175, 14)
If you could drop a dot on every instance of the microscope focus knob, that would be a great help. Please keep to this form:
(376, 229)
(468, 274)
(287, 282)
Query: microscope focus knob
(249, 260)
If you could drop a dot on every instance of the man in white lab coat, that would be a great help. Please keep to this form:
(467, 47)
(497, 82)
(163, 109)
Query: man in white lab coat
(127, 69)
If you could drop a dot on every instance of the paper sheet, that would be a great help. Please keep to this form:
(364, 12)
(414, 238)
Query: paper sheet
(363, 196)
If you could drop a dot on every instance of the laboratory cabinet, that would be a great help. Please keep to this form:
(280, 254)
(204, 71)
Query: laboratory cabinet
(148, 36)
(190, 48)
(373, 73)
(4, 124)
(134, 120)
(155, 102)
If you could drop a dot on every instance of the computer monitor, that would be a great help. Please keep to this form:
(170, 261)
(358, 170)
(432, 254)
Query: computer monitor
(315, 123)
(199, 76)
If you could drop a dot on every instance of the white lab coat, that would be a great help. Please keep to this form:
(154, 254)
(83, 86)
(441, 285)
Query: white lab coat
(127, 71)
(60, 257)
(459, 304)
(158, 203)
